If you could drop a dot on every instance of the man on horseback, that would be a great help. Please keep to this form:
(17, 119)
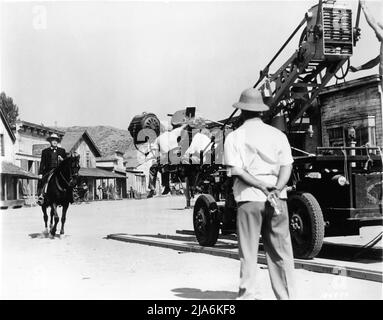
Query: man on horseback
(50, 159)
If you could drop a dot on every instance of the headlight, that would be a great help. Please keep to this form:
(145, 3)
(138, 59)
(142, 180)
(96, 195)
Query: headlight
(341, 180)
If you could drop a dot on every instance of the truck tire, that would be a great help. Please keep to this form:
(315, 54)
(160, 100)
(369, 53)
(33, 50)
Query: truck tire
(205, 220)
(306, 225)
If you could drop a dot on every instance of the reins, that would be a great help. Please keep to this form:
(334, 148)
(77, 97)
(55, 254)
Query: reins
(67, 183)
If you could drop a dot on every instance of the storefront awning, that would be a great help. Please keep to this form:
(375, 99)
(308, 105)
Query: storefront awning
(99, 173)
(13, 170)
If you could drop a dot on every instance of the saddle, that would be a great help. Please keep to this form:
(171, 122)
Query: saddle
(48, 178)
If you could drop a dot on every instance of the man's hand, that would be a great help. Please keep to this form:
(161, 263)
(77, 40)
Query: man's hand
(275, 192)
(40, 176)
(60, 158)
(267, 188)
(251, 180)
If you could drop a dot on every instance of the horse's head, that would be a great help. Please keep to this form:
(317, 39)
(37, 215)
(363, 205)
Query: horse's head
(69, 169)
(74, 160)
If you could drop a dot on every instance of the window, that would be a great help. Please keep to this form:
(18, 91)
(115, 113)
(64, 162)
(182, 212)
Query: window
(336, 137)
(372, 136)
(2, 147)
(30, 165)
(361, 136)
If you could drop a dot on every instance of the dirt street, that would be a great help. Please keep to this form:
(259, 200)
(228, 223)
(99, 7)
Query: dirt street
(82, 264)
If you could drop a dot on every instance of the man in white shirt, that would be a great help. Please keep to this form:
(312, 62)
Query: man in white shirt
(163, 147)
(201, 142)
(259, 158)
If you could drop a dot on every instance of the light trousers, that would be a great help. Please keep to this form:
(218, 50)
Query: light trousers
(255, 219)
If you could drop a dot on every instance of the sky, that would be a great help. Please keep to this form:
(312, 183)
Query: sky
(101, 63)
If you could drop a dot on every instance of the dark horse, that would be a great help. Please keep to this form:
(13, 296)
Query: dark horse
(60, 192)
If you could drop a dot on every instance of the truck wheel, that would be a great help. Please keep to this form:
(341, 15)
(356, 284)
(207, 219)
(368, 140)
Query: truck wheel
(306, 225)
(205, 220)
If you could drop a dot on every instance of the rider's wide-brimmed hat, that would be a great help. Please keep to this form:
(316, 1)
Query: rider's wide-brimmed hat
(53, 136)
(251, 100)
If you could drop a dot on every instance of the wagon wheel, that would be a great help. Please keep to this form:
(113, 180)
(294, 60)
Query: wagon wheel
(205, 220)
(306, 225)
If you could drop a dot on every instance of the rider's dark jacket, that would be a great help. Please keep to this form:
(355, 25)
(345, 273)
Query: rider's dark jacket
(49, 159)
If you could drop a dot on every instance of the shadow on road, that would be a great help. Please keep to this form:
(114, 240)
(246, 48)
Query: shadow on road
(192, 293)
(45, 235)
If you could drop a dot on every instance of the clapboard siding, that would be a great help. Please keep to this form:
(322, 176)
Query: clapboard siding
(347, 104)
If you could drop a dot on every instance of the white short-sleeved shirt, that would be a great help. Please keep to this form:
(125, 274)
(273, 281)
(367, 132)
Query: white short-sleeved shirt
(259, 149)
(199, 143)
(167, 141)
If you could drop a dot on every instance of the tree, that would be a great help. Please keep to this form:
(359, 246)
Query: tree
(10, 109)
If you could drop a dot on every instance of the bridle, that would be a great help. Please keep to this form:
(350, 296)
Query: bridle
(69, 183)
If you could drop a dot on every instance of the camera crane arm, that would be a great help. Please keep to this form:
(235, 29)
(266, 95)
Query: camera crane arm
(325, 46)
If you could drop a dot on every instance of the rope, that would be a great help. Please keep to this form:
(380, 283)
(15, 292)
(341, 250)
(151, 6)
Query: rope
(369, 245)
(369, 160)
(343, 73)
(345, 166)
(302, 151)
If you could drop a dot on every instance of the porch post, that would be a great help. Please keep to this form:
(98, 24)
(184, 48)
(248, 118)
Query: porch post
(17, 189)
(6, 187)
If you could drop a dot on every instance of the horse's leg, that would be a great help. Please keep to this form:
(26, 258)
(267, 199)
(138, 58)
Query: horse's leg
(57, 219)
(51, 221)
(63, 217)
(44, 209)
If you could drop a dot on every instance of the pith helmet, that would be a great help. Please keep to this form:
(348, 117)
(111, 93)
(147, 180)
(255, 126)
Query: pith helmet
(53, 136)
(251, 100)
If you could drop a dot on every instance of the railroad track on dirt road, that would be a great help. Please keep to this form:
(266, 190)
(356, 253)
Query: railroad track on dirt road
(334, 259)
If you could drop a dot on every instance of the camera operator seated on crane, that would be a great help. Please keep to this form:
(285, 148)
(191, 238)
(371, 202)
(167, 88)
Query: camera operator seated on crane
(164, 148)
(201, 142)
(259, 158)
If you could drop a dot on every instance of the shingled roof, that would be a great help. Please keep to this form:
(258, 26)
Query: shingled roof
(13, 170)
(71, 140)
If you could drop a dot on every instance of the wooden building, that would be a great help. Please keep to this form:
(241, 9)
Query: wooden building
(137, 171)
(117, 187)
(97, 179)
(351, 106)
(12, 177)
(136, 183)
(355, 105)
(31, 139)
